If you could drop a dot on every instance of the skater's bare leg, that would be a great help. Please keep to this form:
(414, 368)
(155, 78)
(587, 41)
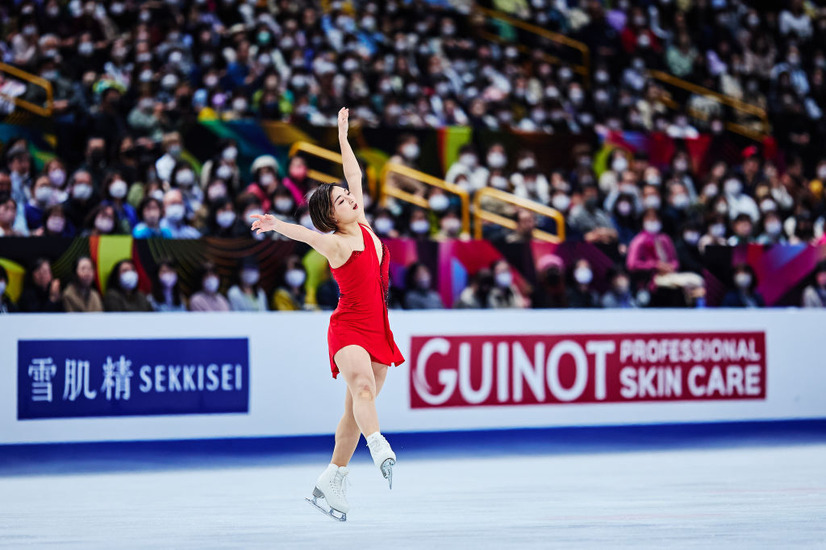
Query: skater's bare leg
(356, 368)
(347, 432)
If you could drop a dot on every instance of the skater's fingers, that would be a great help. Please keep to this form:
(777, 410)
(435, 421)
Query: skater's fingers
(258, 216)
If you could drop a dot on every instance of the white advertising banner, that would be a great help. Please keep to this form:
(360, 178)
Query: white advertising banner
(110, 377)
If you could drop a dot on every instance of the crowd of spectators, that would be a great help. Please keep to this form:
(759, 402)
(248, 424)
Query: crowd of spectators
(131, 90)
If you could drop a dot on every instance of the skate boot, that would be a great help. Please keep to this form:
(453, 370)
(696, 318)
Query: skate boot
(383, 455)
(330, 486)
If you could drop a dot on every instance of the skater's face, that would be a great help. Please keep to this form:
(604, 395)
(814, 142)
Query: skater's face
(345, 207)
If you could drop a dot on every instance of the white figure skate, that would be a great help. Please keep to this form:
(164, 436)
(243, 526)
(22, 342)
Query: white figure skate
(383, 455)
(330, 486)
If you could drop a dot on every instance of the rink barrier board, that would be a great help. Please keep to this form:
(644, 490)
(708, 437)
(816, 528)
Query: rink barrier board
(486, 370)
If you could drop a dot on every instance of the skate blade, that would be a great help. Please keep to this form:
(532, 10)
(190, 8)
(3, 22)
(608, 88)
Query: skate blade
(330, 513)
(387, 470)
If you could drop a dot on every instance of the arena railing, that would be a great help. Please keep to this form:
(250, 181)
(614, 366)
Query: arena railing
(44, 111)
(736, 104)
(313, 150)
(480, 215)
(388, 189)
(583, 68)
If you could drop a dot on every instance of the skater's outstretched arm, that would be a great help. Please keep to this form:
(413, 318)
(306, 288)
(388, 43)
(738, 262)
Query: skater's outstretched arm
(328, 246)
(352, 170)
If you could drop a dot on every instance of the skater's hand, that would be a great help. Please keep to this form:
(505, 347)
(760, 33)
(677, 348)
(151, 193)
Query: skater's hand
(343, 121)
(263, 223)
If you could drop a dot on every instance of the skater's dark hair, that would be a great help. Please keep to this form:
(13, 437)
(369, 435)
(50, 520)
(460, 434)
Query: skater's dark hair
(321, 207)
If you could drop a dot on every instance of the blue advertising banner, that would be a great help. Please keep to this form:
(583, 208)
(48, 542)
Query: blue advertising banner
(79, 378)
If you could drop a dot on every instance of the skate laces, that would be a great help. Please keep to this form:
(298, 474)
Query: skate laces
(340, 482)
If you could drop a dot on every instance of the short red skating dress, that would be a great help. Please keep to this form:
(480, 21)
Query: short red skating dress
(361, 316)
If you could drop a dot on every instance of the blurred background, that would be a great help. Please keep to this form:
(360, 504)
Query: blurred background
(537, 157)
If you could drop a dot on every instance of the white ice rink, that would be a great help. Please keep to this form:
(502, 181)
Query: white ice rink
(746, 497)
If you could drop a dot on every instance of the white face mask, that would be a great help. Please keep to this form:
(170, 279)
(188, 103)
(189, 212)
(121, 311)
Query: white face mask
(168, 279)
(733, 187)
(583, 275)
(224, 172)
(619, 164)
(504, 279)
(451, 226)
(742, 280)
(225, 218)
(56, 224)
(710, 191)
(104, 225)
(250, 276)
(211, 284)
(129, 279)
(230, 153)
(420, 227)
(652, 226)
(295, 277)
(57, 177)
(468, 160)
(681, 201)
(497, 160)
(691, 237)
(773, 227)
(652, 201)
(185, 177)
(118, 189)
(43, 194)
(266, 179)
(383, 225)
(561, 202)
(410, 151)
(623, 208)
(283, 205)
(175, 212)
(499, 182)
(717, 230)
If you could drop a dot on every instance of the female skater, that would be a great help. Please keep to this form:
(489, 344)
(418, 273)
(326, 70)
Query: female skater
(360, 341)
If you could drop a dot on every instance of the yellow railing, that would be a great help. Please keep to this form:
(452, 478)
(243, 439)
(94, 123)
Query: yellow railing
(32, 79)
(583, 68)
(330, 156)
(389, 190)
(732, 102)
(480, 215)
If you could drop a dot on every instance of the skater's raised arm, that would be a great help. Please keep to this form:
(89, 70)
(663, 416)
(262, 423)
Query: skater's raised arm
(327, 245)
(352, 170)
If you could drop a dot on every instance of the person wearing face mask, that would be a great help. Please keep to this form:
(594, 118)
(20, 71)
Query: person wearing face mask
(624, 218)
(173, 148)
(467, 164)
(6, 305)
(687, 246)
(589, 220)
(744, 293)
(716, 230)
(82, 199)
(223, 220)
(419, 293)
(246, 294)
(102, 220)
(772, 233)
(55, 224)
(150, 211)
(8, 214)
(290, 295)
(384, 224)
(580, 293)
(738, 201)
(504, 294)
(651, 252)
(450, 226)
(678, 207)
(476, 294)
(42, 193)
(42, 292)
(115, 191)
(814, 295)
(407, 154)
(166, 296)
(174, 218)
(80, 294)
(283, 203)
(209, 298)
(742, 229)
(296, 179)
(419, 224)
(265, 180)
(122, 293)
(619, 295)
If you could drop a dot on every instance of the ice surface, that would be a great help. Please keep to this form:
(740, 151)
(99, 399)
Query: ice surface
(747, 497)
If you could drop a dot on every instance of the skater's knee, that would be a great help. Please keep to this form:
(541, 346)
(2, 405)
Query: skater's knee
(365, 392)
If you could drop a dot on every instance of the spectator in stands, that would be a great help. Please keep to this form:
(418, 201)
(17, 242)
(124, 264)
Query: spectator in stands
(150, 213)
(407, 154)
(96, 163)
(525, 224)
(122, 293)
(42, 293)
(222, 221)
(772, 230)
(100, 221)
(467, 164)
(265, 180)
(504, 293)
(420, 294)
(327, 293)
(42, 198)
(296, 180)
(167, 296)
(8, 214)
(290, 294)
(477, 294)
(418, 225)
(619, 294)
(687, 247)
(739, 202)
(716, 229)
(742, 229)
(82, 198)
(115, 190)
(580, 292)
(814, 295)
(183, 179)
(246, 294)
(209, 298)
(744, 293)
(651, 252)
(590, 221)
(6, 305)
(173, 148)
(55, 224)
(224, 166)
(80, 294)
(174, 219)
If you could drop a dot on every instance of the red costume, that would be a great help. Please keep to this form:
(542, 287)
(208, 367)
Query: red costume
(361, 316)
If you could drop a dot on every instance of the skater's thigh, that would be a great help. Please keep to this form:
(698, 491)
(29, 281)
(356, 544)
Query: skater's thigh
(355, 366)
(379, 374)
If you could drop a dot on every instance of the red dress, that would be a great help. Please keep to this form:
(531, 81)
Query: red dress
(361, 316)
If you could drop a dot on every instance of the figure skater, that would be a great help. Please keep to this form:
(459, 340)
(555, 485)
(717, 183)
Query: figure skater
(361, 344)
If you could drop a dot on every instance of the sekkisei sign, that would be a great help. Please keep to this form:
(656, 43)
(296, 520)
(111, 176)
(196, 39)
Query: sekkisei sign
(76, 378)
(461, 371)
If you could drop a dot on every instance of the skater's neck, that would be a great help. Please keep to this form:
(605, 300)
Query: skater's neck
(349, 229)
